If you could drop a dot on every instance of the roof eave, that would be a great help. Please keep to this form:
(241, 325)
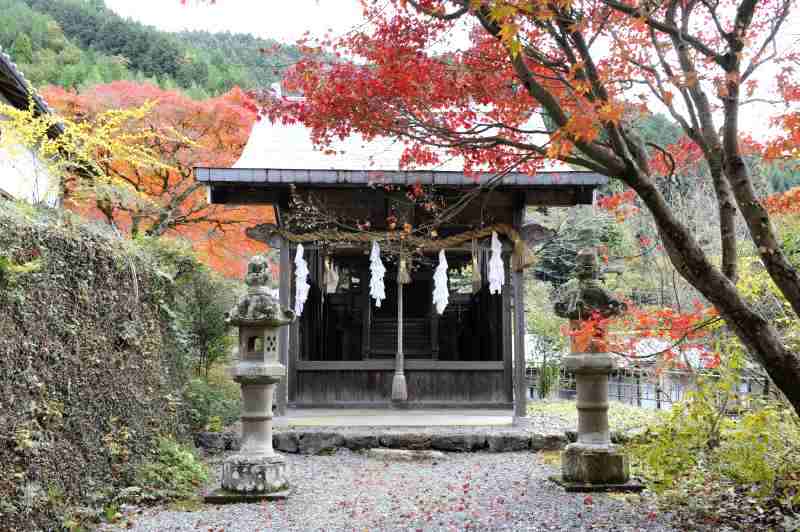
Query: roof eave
(19, 92)
(280, 177)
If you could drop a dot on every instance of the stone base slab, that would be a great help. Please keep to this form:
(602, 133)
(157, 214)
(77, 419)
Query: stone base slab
(521, 422)
(594, 464)
(632, 486)
(253, 474)
(403, 455)
(223, 496)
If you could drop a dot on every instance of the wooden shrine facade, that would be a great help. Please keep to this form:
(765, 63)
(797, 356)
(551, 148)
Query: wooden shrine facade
(341, 352)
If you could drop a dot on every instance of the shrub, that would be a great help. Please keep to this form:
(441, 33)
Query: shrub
(763, 448)
(201, 297)
(173, 473)
(621, 416)
(212, 405)
(700, 443)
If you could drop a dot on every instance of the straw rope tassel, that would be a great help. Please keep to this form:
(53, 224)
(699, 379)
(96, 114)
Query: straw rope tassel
(477, 281)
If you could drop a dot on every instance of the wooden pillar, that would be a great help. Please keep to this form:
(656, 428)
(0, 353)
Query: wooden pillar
(283, 296)
(508, 317)
(518, 283)
(638, 389)
(658, 393)
(434, 322)
(366, 327)
(294, 334)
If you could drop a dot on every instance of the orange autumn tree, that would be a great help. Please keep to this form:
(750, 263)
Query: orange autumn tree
(168, 201)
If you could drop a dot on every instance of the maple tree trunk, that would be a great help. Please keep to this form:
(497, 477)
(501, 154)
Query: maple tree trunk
(783, 274)
(755, 332)
(758, 223)
(727, 217)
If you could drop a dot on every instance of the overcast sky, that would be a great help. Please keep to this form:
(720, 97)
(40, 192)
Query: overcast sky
(287, 21)
(282, 21)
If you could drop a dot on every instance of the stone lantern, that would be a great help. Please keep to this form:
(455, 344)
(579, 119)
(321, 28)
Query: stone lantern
(592, 463)
(256, 471)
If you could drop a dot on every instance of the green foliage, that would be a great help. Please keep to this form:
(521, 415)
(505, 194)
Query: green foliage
(700, 442)
(203, 298)
(574, 230)
(547, 378)
(230, 59)
(197, 310)
(788, 227)
(621, 417)
(759, 290)
(779, 176)
(657, 129)
(212, 404)
(79, 43)
(545, 328)
(762, 448)
(540, 320)
(37, 43)
(174, 472)
(215, 424)
(11, 270)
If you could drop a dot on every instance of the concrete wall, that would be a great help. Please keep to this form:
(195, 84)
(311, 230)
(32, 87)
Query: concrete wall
(22, 175)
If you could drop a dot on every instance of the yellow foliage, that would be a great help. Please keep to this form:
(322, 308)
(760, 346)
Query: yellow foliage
(86, 148)
(757, 287)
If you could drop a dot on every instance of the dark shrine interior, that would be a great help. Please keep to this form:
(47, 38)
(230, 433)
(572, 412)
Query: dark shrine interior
(345, 325)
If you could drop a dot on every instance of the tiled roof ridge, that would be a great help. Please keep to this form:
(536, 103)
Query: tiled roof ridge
(23, 81)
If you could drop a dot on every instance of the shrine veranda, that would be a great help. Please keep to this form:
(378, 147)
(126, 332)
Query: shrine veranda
(341, 351)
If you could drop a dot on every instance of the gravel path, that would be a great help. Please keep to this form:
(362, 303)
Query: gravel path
(477, 491)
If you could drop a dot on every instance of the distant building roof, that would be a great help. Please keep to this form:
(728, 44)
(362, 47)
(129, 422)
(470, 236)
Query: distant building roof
(22, 175)
(16, 89)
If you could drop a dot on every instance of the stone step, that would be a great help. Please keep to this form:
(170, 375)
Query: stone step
(326, 441)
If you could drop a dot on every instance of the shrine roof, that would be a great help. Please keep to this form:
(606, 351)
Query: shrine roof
(277, 177)
(278, 155)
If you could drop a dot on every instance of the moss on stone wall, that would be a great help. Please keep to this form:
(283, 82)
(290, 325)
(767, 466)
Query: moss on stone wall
(90, 368)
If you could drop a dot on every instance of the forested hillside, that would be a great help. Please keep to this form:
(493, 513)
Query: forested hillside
(80, 43)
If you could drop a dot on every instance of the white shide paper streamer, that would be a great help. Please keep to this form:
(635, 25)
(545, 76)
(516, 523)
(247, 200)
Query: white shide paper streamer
(441, 295)
(301, 281)
(496, 274)
(377, 270)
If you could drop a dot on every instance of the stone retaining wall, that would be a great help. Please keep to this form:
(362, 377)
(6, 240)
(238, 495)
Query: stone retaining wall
(88, 366)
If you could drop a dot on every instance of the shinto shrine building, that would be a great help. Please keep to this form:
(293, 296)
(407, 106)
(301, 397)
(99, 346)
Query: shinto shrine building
(343, 349)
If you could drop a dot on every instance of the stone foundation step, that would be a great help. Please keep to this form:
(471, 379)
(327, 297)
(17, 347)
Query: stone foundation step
(317, 441)
(327, 441)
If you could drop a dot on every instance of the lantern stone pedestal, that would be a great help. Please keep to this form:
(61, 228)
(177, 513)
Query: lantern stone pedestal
(256, 471)
(592, 463)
